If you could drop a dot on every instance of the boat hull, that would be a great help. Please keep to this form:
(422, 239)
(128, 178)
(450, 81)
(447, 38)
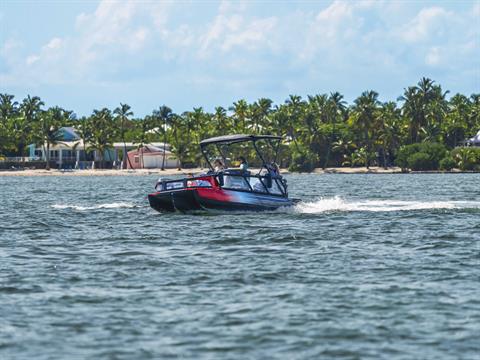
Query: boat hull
(194, 199)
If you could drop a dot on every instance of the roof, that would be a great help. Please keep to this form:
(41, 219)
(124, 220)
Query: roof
(230, 139)
(119, 145)
(68, 133)
(475, 139)
(150, 149)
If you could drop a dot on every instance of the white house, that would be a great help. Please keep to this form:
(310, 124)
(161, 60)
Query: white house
(474, 141)
(69, 151)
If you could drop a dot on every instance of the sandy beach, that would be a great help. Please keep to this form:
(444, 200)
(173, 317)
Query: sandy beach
(99, 172)
(173, 172)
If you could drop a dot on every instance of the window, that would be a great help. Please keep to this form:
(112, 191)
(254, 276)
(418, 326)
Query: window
(235, 182)
(275, 189)
(257, 185)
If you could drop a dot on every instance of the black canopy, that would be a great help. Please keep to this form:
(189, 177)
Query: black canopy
(230, 139)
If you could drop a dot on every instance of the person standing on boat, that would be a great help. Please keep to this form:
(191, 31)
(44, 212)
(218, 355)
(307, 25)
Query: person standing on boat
(243, 164)
(218, 165)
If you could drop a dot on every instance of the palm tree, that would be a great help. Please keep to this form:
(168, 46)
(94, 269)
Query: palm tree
(163, 116)
(264, 108)
(221, 120)
(84, 130)
(335, 112)
(30, 109)
(389, 117)
(474, 112)
(421, 102)
(295, 108)
(364, 116)
(102, 132)
(123, 113)
(456, 121)
(180, 143)
(412, 111)
(8, 112)
(50, 123)
(144, 134)
(240, 113)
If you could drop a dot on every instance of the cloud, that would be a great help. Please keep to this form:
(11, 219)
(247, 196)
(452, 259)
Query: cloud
(243, 46)
(232, 28)
(433, 56)
(428, 22)
(54, 43)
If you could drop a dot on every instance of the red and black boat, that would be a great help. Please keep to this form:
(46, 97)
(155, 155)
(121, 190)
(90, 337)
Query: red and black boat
(229, 188)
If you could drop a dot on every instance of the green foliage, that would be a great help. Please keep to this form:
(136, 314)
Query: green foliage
(421, 156)
(303, 162)
(319, 131)
(447, 163)
(421, 161)
(467, 158)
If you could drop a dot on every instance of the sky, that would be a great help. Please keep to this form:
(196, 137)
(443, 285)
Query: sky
(85, 55)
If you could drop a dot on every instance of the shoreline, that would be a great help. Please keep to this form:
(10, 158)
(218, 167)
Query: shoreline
(173, 172)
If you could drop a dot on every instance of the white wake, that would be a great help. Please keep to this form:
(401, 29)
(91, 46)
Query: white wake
(117, 205)
(339, 204)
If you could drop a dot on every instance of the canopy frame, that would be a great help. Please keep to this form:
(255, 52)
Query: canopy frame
(239, 138)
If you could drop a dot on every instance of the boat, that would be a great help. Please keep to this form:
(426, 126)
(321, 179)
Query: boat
(230, 188)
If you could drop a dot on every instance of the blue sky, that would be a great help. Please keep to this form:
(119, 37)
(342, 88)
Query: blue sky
(84, 55)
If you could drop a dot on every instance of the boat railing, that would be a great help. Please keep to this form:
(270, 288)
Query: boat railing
(264, 184)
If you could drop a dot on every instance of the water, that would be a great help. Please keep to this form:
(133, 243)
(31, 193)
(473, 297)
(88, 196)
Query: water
(368, 266)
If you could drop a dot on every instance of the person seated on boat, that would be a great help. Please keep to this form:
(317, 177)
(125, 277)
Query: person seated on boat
(191, 183)
(198, 182)
(274, 169)
(218, 165)
(243, 164)
(159, 184)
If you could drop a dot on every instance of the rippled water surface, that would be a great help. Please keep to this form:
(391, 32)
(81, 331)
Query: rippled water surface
(367, 266)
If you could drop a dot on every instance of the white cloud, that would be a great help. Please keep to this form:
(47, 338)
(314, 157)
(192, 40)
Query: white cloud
(122, 39)
(55, 43)
(32, 59)
(476, 9)
(433, 56)
(232, 28)
(254, 35)
(428, 22)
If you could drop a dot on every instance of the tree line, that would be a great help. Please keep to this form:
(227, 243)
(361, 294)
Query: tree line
(319, 131)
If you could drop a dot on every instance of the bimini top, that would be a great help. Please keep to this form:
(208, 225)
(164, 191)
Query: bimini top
(230, 139)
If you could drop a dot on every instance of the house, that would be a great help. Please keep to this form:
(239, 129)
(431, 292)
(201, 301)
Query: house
(474, 141)
(71, 152)
(151, 157)
(68, 150)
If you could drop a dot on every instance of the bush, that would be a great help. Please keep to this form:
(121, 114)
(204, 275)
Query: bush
(421, 161)
(466, 158)
(303, 162)
(447, 163)
(431, 154)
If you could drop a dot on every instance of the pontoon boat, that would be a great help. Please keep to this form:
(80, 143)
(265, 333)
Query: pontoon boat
(230, 188)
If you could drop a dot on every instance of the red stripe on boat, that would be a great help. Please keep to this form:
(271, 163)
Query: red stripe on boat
(214, 194)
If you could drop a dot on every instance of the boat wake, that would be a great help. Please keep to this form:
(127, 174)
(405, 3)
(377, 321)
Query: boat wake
(338, 204)
(118, 205)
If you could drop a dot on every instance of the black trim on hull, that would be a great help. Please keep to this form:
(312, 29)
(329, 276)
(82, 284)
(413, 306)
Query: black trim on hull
(161, 202)
(189, 200)
(232, 206)
(179, 200)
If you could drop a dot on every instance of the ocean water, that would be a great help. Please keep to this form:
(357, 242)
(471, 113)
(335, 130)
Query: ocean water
(365, 267)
